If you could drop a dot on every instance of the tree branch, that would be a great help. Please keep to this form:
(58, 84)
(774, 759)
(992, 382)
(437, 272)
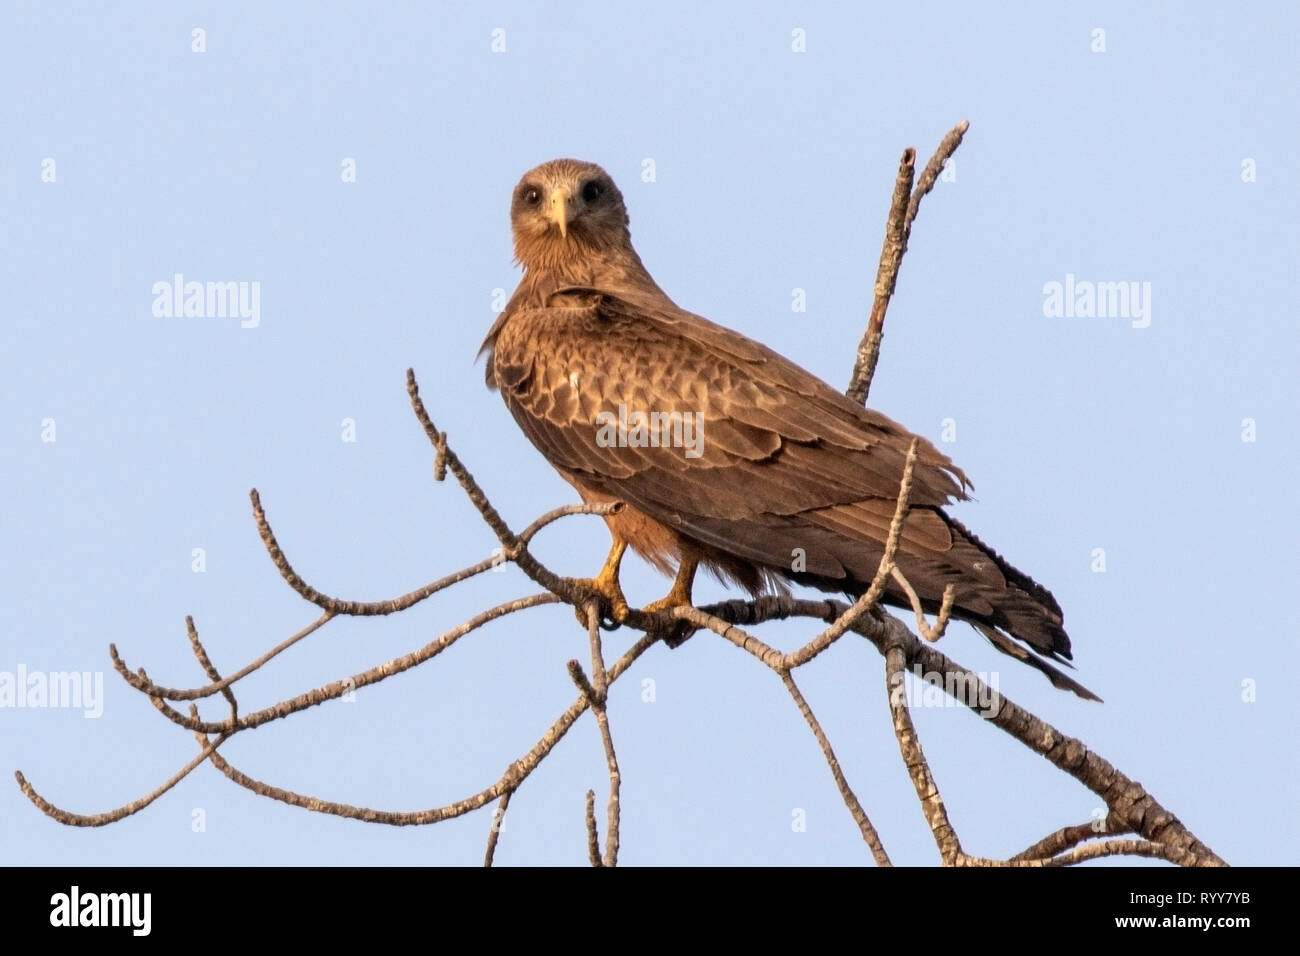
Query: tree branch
(898, 229)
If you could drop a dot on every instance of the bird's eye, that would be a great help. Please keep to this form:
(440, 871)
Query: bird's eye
(592, 191)
(531, 195)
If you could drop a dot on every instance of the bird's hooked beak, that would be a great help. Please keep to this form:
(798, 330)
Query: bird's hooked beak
(558, 209)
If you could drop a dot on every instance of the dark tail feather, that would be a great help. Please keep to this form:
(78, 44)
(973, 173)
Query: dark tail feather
(1059, 678)
(1026, 609)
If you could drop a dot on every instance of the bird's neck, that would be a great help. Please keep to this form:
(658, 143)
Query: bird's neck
(609, 270)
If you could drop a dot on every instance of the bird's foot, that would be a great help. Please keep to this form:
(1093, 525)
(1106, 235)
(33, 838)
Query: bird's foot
(613, 608)
(677, 631)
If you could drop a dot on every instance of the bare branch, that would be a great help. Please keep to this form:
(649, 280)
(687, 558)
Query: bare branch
(593, 838)
(1093, 851)
(516, 550)
(146, 686)
(909, 744)
(498, 819)
(555, 514)
(898, 228)
(214, 675)
(372, 676)
(1067, 837)
(930, 175)
(945, 609)
(873, 593)
(338, 605)
(579, 677)
(509, 781)
(607, 740)
(112, 816)
(859, 815)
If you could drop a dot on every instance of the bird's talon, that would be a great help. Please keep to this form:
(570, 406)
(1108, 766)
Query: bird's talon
(612, 608)
(675, 631)
(618, 613)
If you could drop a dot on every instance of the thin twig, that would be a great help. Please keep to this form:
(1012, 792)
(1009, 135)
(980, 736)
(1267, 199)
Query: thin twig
(930, 175)
(375, 674)
(511, 780)
(598, 707)
(112, 816)
(1094, 851)
(1067, 837)
(338, 605)
(498, 820)
(883, 570)
(214, 675)
(903, 208)
(579, 677)
(850, 798)
(909, 744)
(593, 838)
(602, 508)
(514, 547)
(945, 608)
(171, 693)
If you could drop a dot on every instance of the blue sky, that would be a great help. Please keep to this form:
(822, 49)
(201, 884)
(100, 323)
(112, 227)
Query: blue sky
(1167, 159)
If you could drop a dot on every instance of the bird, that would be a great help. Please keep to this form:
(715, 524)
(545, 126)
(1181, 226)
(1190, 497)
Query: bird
(725, 454)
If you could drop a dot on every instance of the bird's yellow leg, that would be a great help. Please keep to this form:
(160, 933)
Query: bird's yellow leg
(606, 582)
(680, 593)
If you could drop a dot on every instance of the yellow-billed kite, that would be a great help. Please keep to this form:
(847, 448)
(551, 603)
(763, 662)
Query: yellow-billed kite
(726, 454)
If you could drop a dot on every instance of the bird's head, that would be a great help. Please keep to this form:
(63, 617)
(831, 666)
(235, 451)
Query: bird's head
(565, 210)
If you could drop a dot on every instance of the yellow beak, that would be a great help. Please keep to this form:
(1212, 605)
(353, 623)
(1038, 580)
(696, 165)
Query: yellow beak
(557, 209)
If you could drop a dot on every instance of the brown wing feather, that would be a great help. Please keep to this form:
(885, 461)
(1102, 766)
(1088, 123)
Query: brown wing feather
(765, 410)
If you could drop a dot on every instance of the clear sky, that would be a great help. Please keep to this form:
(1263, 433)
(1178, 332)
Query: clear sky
(1168, 160)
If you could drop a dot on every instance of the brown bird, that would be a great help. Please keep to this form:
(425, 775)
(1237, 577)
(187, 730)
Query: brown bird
(726, 454)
